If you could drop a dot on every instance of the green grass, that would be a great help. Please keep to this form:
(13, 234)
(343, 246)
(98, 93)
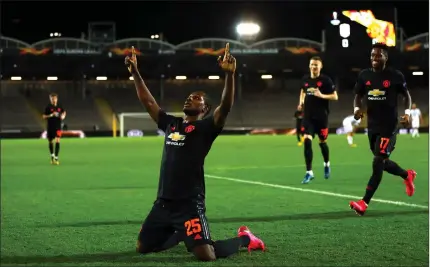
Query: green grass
(88, 210)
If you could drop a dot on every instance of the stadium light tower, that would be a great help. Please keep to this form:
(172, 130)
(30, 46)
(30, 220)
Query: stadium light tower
(247, 31)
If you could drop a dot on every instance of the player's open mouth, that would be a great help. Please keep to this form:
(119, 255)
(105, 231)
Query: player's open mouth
(375, 62)
(187, 105)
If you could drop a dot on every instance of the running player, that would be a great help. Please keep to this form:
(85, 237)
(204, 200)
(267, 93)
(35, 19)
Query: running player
(179, 210)
(54, 114)
(381, 86)
(349, 127)
(317, 90)
(416, 119)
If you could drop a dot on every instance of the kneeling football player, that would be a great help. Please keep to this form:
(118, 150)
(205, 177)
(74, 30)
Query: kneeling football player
(179, 212)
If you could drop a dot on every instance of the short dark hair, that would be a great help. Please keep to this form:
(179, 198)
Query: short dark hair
(316, 58)
(381, 46)
(207, 100)
(53, 94)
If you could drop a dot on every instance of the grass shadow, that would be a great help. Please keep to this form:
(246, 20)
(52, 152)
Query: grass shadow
(128, 257)
(335, 215)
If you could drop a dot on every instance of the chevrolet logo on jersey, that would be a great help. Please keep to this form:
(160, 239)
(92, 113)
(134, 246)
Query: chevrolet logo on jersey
(376, 94)
(310, 91)
(175, 137)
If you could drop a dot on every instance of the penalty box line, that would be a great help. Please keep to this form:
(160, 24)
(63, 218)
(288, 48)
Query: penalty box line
(319, 192)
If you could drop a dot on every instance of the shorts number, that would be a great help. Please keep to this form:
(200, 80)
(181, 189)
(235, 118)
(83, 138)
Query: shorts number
(193, 226)
(384, 143)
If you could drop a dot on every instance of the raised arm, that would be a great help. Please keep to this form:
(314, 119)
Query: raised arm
(228, 65)
(143, 93)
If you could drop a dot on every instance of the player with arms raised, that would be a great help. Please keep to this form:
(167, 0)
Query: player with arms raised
(317, 90)
(381, 86)
(178, 213)
(54, 114)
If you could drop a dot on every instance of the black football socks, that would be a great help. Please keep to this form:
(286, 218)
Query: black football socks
(375, 179)
(57, 149)
(223, 248)
(308, 154)
(393, 168)
(228, 247)
(325, 151)
(51, 148)
(299, 135)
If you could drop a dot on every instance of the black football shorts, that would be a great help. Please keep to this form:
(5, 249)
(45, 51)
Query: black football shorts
(53, 133)
(166, 217)
(318, 126)
(382, 144)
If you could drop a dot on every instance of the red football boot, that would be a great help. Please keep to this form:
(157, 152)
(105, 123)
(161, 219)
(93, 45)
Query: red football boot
(409, 182)
(255, 243)
(359, 206)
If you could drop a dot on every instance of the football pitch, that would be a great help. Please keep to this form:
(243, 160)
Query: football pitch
(88, 210)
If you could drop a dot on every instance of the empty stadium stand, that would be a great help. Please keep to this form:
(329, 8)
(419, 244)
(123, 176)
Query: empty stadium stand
(81, 113)
(23, 102)
(16, 115)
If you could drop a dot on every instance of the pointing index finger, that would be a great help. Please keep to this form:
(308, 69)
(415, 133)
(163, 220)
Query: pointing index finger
(226, 51)
(133, 52)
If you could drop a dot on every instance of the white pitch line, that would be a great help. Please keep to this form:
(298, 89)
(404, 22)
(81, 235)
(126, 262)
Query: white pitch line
(326, 193)
(226, 168)
(275, 166)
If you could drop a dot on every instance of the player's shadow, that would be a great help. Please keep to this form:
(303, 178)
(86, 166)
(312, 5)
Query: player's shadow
(335, 215)
(126, 187)
(173, 255)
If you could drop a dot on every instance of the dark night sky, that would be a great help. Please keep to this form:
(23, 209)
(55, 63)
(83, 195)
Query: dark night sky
(191, 20)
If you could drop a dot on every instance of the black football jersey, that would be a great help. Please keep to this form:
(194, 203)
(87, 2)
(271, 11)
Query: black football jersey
(315, 107)
(185, 148)
(380, 91)
(54, 123)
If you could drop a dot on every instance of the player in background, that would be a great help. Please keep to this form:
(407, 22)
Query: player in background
(298, 115)
(349, 126)
(416, 119)
(317, 90)
(178, 213)
(54, 114)
(381, 86)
